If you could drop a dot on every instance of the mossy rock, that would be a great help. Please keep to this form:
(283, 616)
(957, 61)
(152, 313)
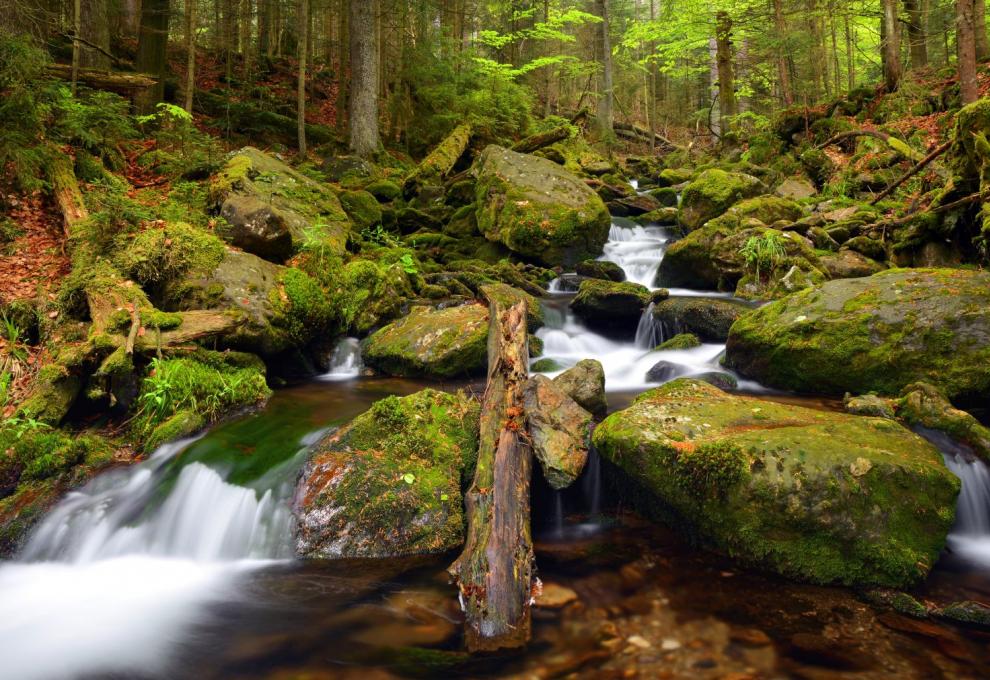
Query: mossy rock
(601, 269)
(662, 217)
(670, 177)
(873, 334)
(376, 289)
(181, 424)
(162, 254)
(384, 190)
(537, 209)
(712, 193)
(849, 264)
(680, 341)
(610, 305)
(668, 197)
(546, 365)
(584, 382)
(362, 207)
(709, 319)
(272, 209)
(389, 482)
(444, 343)
(814, 495)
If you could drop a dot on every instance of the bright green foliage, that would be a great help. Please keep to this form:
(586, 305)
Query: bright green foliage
(763, 252)
(167, 253)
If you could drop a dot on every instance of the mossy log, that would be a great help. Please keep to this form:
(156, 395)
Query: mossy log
(195, 325)
(895, 144)
(65, 190)
(103, 80)
(439, 162)
(494, 572)
(251, 120)
(538, 141)
(636, 132)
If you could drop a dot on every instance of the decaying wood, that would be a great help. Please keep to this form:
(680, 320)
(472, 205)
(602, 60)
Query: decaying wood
(103, 80)
(538, 141)
(65, 190)
(494, 572)
(439, 162)
(907, 151)
(912, 172)
(635, 132)
(196, 325)
(135, 327)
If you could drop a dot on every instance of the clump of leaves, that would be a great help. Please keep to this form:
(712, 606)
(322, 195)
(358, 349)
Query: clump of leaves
(381, 236)
(763, 253)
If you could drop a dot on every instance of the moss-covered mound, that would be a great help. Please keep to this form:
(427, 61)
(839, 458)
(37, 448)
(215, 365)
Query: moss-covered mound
(389, 483)
(271, 209)
(707, 319)
(431, 343)
(817, 496)
(712, 193)
(874, 334)
(538, 209)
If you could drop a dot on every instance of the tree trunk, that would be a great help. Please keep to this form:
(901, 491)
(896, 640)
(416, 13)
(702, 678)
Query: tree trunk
(494, 572)
(966, 46)
(301, 87)
(152, 43)
(605, 105)
(850, 56)
(723, 58)
(123, 82)
(190, 53)
(94, 28)
(783, 74)
(65, 191)
(980, 30)
(439, 162)
(264, 27)
(917, 32)
(542, 139)
(891, 46)
(364, 78)
(76, 30)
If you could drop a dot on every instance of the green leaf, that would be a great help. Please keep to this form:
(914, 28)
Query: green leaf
(409, 478)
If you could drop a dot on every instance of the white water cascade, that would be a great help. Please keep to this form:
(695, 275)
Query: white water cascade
(345, 362)
(121, 569)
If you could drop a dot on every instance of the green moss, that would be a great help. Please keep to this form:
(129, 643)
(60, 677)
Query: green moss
(680, 341)
(712, 193)
(508, 296)
(385, 191)
(302, 308)
(181, 424)
(167, 253)
(546, 366)
(362, 207)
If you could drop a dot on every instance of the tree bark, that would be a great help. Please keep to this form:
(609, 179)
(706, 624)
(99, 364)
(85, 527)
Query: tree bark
(783, 74)
(301, 87)
(76, 30)
(364, 78)
(605, 104)
(980, 30)
(65, 190)
(966, 46)
(538, 141)
(438, 162)
(152, 43)
(891, 47)
(105, 81)
(917, 31)
(494, 572)
(190, 53)
(94, 28)
(723, 58)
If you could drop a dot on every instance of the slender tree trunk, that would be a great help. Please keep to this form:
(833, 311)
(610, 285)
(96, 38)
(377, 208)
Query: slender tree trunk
(76, 22)
(980, 30)
(917, 32)
(723, 57)
(247, 10)
(364, 79)
(783, 74)
(891, 46)
(94, 28)
(344, 78)
(850, 56)
(301, 89)
(605, 104)
(264, 26)
(190, 53)
(966, 46)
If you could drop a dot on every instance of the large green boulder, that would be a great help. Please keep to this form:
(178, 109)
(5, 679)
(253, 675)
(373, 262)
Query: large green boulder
(814, 495)
(538, 209)
(874, 334)
(708, 319)
(712, 193)
(271, 209)
(389, 482)
(610, 304)
(432, 343)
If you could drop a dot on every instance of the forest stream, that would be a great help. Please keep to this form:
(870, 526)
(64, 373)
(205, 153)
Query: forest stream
(182, 565)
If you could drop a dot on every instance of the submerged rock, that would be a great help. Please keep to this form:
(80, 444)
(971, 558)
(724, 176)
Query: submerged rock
(709, 319)
(538, 209)
(433, 343)
(712, 193)
(269, 208)
(874, 334)
(925, 405)
(389, 482)
(680, 341)
(610, 304)
(559, 430)
(814, 495)
(585, 383)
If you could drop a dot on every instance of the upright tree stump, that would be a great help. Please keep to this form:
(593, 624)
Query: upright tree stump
(494, 572)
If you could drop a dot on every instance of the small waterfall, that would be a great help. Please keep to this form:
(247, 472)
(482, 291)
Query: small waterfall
(649, 331)
(636, 249)
(558, 513)
(593, 484)
(345, 362)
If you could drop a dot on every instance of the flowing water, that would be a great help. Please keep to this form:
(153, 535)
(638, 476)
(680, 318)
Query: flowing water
(180, 566)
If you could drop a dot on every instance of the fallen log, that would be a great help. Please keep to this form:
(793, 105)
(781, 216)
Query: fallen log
(196, 324)
(912, 172)
(538, 141)
(494, 572)
(103, 80)
(439, 162)
(894, 143)
(634, 131)
(65, 189)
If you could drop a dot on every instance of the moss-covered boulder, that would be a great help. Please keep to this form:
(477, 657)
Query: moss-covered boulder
(362, 207)
(679, 342)
(558, 428)
(609, 304)
(600, 269)
(585, 383)
(708, 319)
(432, 343)
(389, 482)
(271, 209)
(166, 252)
(849, 264)
(814, 495)
(873, 334)
(712, 193)
(538, 209)
(375, 289)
